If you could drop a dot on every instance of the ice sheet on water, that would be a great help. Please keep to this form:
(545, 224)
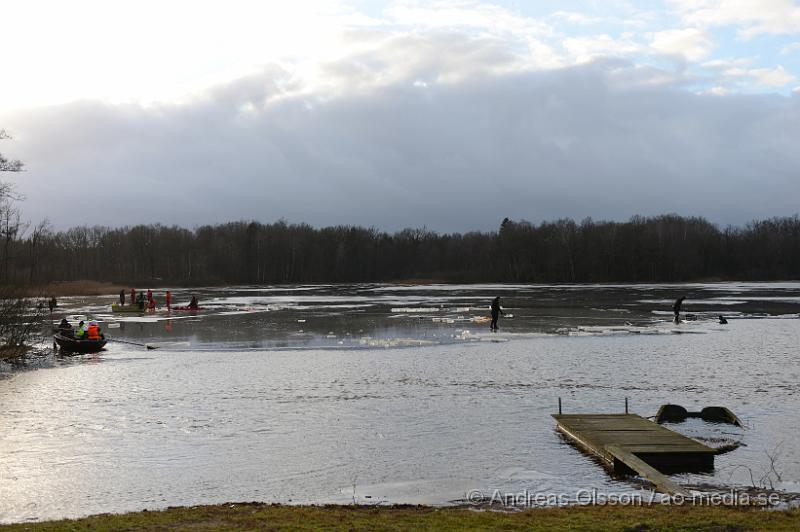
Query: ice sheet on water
(275, 288)
(450, 287)
(776, 299)
(705, 301)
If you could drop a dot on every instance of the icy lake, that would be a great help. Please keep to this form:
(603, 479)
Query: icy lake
(390, 394)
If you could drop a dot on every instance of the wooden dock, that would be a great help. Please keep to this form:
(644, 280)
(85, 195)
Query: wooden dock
(629, 443)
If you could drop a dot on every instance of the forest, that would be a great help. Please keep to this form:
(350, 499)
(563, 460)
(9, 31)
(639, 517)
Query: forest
(642, 249)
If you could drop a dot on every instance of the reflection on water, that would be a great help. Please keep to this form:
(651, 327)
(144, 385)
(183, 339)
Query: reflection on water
(386, 393)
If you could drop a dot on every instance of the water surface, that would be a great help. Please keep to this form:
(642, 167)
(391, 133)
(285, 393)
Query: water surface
(379, 393)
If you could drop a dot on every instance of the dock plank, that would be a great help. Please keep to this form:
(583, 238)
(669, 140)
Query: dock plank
(633, 442)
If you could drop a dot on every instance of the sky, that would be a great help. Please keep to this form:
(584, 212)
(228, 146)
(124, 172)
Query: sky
(449, 114)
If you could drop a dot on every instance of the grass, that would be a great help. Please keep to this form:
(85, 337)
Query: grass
(8, 352)
(77, 288)
(256, 516)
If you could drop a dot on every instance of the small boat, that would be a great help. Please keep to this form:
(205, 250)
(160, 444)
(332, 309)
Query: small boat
(715, 414)
(72, 345)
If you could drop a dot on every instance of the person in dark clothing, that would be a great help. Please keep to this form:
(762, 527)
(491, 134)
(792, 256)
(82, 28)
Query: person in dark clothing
(496, 311)
(52, 304)
(122, 298)
(64, 328)
(722, 320)
(194, 303)
(140, 301)
(676, 308)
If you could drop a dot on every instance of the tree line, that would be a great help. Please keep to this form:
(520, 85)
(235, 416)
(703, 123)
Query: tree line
(643, 249)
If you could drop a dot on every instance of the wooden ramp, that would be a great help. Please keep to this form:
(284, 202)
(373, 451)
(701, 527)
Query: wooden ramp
(630, 443)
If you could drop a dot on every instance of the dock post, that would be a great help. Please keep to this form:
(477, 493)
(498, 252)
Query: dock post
(559, 406)
(626, 405)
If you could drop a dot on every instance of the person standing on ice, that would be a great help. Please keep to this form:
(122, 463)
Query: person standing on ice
(676, 308)
(496, 311)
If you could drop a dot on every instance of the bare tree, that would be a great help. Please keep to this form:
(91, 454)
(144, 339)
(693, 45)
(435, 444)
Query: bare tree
(11, 227)
(40, 232)
(21, 319)
(8, 165)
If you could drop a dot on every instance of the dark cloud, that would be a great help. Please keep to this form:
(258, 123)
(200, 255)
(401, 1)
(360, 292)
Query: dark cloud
(442, 142)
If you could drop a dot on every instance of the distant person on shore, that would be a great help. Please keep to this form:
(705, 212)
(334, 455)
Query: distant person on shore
(722, 320)
(133, 296)
(496, 311)
(676, 308)
(52, 304)
(122, 298)
(168, 297)
(194, 303)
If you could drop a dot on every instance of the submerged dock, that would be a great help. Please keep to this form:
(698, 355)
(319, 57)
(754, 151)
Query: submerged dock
(629, 443)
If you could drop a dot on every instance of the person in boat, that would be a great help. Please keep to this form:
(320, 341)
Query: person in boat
(80, 332)
(93, 332)
(194, 303)
(676, 309)
(168, 297)
(496, 311)
(122, 298)
(722, 320)
(64, 328)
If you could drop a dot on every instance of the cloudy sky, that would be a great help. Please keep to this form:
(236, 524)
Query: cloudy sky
(450, 114)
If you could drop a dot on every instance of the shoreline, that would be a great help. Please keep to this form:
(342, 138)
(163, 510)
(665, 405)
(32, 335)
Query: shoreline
(75, 288)
(254, 515)
(87, 287)
(14, 352)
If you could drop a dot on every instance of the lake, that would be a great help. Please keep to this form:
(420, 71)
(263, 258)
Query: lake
(390, 394)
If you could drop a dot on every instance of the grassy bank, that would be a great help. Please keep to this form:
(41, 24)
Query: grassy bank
(9, 352)
(252, 516)
(76, 288)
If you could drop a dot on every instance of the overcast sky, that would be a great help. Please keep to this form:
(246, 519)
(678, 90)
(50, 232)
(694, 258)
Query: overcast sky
(452, 114)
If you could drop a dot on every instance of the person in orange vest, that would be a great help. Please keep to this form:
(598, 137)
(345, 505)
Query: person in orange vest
(93, 331)
(169, 299)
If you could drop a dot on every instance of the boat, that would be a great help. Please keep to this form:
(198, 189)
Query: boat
(116, 307)
(72, 345)
(715, 414)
